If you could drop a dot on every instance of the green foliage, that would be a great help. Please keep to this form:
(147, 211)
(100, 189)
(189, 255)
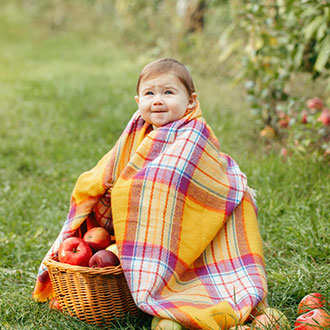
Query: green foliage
(282, 39)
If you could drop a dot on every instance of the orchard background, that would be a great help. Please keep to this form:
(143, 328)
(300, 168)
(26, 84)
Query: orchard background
(68, 71)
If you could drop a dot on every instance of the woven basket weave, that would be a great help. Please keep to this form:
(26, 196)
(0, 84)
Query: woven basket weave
(94, 295)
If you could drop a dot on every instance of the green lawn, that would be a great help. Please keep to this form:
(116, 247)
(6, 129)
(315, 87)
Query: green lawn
(64, 99)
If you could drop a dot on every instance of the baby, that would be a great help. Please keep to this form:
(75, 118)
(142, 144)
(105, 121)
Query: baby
(183, 216)
(166, 92)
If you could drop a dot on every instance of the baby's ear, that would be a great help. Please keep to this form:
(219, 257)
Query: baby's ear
(136, 99)
(192, 101)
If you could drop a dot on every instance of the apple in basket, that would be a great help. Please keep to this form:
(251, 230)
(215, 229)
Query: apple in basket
(315, 319)
(97, 238)
(103, 258)
(74, 251)
(311, 301)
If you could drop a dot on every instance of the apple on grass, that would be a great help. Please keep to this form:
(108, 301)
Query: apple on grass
(98, 238)
(74, 251)
(315, 319)
(165, 324)
(271, 318)
(54, 304)
(311, 301)
(103, 258)
(240, 327)
(154, 322)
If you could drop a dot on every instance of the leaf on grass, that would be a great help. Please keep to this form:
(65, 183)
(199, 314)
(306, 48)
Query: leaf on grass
(8, 271)
(38, 232)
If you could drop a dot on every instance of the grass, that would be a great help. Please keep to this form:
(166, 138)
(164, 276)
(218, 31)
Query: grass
(65, 97)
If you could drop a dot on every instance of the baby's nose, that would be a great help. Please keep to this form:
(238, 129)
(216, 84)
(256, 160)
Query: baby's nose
(157, 100)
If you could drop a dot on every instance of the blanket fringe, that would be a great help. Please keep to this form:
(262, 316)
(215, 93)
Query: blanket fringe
(253, 194)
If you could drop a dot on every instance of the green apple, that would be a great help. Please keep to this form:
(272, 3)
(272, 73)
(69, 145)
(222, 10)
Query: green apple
(154, 322)
(165, 324)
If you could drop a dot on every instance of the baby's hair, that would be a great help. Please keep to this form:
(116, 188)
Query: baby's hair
(166, 65)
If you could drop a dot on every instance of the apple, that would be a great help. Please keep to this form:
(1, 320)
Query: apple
(304, 115)
(165, 324)
(284, 119)
(268, 132)
(97, 238)
(324, 118)
(114, 249)
(313, 320)
(54, 304)
(315, 103)
(284, 152)
(311, 301)
(154, 322)
(283, 123)
(74, 251)
(271, 318)
(103, 258)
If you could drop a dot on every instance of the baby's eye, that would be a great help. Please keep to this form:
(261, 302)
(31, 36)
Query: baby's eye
(168, 92)
(149, 93)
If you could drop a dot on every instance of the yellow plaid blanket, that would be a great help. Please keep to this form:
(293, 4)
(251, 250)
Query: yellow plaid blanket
(184, 220)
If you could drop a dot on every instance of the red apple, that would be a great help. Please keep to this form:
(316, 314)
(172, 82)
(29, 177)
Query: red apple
(74, 251)
(313, 320)
(304, 115)
(97, 238)
(284, 119)
(324, 118)
(271, 318)
(284, 152)
(103, 258)
(54, 304)
(311, 301)
(315, 103)
(284, 122)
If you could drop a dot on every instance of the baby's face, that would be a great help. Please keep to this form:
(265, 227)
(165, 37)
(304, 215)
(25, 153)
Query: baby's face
(163, 99)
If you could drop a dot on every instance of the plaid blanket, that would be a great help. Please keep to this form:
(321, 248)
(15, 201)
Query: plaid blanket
(184, 219)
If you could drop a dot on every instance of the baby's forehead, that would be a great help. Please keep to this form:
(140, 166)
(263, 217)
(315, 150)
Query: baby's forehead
(161, 79)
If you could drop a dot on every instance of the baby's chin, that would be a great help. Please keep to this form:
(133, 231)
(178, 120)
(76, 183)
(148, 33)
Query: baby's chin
(159, 121)
(157, 125)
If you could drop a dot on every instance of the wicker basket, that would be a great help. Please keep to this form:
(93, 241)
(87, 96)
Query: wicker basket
(94, 295)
